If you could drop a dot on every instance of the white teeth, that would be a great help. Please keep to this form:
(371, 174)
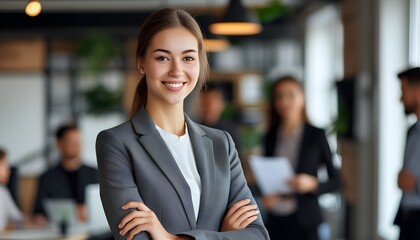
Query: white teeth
(174, 85)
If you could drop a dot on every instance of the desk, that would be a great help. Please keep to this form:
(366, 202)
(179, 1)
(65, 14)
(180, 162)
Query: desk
(44, 234)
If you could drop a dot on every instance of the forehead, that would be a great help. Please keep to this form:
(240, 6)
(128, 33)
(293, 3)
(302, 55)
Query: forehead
(287, 85)
(71, 133)
(176, 39)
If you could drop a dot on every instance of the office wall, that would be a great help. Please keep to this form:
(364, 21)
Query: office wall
(22, 119)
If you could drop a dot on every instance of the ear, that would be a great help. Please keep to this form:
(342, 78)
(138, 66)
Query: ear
(416, 90)
(139, 64)
(57, 143)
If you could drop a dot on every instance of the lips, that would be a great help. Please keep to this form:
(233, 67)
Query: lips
(174, 85)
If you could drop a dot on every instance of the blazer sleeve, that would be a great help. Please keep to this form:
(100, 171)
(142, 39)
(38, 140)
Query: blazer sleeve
(117, 185)
(238, 191)
(334, 180)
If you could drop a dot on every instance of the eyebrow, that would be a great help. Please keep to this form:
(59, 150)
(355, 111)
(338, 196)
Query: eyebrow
(168, 52)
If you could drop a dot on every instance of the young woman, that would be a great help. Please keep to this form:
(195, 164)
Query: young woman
(10, 215)
(163, 176)
(298, 215)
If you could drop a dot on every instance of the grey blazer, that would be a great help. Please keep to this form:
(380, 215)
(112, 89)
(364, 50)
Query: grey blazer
(135, 165)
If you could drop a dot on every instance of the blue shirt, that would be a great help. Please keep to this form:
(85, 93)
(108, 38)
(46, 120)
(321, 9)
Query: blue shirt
(411, 200)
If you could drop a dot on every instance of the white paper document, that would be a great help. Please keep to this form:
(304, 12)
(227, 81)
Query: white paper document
(272, 174)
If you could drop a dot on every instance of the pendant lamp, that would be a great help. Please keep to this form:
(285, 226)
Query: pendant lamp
(33, 8)
(212, 42)
(237, 21)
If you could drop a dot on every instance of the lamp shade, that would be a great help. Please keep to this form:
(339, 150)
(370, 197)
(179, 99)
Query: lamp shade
(237, 21)
(212, 42)
(216, 45)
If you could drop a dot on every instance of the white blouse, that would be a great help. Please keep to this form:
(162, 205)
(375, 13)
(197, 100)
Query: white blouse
(8, 210)
(288, 146)
(181, 150)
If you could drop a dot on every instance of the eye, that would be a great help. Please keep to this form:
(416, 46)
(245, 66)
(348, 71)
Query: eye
(188, 59)
(162, 58)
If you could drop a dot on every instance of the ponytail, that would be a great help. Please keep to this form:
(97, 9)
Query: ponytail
(140, 96)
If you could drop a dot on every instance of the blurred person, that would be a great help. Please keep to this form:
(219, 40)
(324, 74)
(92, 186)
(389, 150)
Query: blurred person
(163, 176)
(298, 215)
(68, 179)
(408, 215)
(13, 184)
(10, 215)
(212, 105)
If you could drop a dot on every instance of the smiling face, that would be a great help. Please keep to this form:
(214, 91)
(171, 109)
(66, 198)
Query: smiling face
(171, 66)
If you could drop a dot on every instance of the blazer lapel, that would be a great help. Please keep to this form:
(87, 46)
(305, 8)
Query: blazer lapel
(152, 141)
(204, 158)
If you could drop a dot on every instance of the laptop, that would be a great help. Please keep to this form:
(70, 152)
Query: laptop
(61, 211)
(96, 215)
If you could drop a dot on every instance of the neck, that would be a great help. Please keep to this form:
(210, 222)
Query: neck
(170, 118)
(70, 164)
(210, 120)
(291, 124)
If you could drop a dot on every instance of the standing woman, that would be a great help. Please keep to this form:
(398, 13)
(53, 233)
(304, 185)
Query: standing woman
(298, 215)
(163, 176)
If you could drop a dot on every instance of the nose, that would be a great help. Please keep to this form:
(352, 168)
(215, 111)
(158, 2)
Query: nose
(176, 69)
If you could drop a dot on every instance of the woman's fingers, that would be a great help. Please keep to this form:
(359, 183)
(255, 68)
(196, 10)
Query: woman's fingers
(130, 216)
(240, 215)
(141, 218)
(236, 206)
(135, 231)
(245, 218)
(242, 211)
(138, 205)
(142, 211)
(130, 226)
(246, 222)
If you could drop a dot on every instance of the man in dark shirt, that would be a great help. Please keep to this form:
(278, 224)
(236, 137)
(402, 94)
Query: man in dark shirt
(212, 105)
(408, 216)
(69, 178)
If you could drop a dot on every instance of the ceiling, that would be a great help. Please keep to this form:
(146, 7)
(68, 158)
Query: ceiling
(123, 17)
(130, 5)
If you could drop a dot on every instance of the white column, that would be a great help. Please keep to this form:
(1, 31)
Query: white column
(392, 58)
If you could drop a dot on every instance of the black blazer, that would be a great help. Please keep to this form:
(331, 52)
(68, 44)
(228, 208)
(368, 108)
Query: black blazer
(314, 151)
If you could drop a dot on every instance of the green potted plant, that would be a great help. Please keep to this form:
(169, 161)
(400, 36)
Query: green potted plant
(97, 52)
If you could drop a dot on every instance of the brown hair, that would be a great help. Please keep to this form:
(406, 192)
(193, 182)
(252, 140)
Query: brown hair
(3, 154)
(155, 23)
(412, 75)
(63, 129)
(274, 118)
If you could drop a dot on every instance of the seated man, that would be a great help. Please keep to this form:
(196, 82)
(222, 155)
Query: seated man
(68, 179)
(9, 213)
(212, 105)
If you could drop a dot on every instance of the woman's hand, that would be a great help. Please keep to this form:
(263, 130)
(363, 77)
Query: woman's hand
(144, 219)
(239, 216)
(304, 183)
(270, 201)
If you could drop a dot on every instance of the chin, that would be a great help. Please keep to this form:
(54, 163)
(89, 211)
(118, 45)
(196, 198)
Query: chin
(408, 111)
